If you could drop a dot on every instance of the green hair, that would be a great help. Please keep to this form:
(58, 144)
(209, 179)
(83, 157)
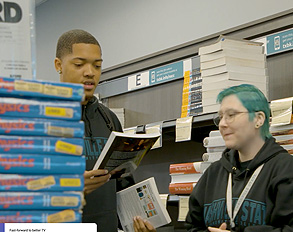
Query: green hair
(253, 100)
(67, 39)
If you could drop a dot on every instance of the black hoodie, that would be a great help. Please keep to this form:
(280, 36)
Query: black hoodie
(269, 203)
(100, 204)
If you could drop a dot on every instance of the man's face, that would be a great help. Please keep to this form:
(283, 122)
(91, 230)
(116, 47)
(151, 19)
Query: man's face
(82, 66)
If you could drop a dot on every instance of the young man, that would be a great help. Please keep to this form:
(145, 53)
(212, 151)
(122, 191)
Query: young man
(78, 60)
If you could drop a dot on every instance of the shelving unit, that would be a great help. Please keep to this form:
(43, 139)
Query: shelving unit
(162, 103)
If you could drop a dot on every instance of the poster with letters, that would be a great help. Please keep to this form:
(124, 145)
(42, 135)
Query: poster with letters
(16, 38)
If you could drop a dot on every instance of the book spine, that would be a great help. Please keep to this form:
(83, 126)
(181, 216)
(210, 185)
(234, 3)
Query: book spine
(216, 141)
(41, 89)
(40, 216)
(185, 168)
(284, 132)
(41, 183)
(41, 127)
(181, 188)
(31, 108)
(43, 145)
(211, 157)
(40, 201)
(41, 164)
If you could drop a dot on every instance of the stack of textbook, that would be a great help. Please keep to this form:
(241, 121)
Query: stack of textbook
(184, 176)
(214, 145)
(191, 95)
(41, 145)
(230, 62)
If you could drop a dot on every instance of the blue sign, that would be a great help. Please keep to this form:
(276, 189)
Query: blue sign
(166, 73)
(2, 227)
(280, 42)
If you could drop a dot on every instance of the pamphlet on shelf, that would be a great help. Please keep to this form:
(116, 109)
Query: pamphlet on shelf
(141, 199)
(123, 152)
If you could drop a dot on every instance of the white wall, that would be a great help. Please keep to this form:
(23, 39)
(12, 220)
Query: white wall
(128, 29)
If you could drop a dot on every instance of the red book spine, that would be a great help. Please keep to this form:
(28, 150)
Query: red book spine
(181, 188)
(185, 168)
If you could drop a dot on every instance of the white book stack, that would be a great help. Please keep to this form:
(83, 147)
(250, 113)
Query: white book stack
(120, 114)
(230, 62)
(284, 136)
(214, 145)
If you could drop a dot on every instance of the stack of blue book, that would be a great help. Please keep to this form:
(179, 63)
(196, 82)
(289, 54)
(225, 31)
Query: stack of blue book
(41, 146)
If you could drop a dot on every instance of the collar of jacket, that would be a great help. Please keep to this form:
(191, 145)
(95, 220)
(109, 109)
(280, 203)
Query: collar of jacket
(269, 150)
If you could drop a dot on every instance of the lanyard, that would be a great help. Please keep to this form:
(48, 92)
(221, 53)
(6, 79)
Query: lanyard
(242, 195)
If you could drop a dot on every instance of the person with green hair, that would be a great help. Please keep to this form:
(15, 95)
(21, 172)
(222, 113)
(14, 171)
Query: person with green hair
(251, 187)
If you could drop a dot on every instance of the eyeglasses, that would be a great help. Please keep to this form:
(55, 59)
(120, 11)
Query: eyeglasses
(229, 117)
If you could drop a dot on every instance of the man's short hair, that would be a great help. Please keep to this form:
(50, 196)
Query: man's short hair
(67, 39)
(253, 100)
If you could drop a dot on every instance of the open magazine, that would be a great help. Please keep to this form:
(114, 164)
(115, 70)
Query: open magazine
(123, 152)
(141, 199)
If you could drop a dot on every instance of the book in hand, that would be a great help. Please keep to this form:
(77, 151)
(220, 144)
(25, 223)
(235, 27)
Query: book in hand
(141, 199)
(123, 152)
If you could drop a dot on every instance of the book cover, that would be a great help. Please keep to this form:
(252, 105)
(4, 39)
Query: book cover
(181, 188)
(234, 53)
(249, 78)
(41, 145)
(40, 200)
(125, 151)
(33, 216)
(41, 127)
(41, 164)
(11, 87)
(32, 108)
(187, 168)
(281, 130)
(228, 83)
(141, 199)
(41, 183)
(232, 43)
(185, 178)
(233, 61)
(233, 68)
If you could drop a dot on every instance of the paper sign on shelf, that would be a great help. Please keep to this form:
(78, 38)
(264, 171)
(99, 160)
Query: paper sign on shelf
(183, 129)
(183, 208)
(149, 129)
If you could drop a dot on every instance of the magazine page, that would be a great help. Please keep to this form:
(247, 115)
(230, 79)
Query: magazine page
(141, 199)
(125, 151)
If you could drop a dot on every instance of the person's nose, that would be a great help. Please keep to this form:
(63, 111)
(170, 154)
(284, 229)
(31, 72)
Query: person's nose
(89, 71)
(223, 122)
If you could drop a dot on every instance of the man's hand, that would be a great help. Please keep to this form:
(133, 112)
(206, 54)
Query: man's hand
(141, 225)
(94, 179)
(222, 228)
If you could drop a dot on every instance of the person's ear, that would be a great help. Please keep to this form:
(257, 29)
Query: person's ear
(58, 65)
(259, 119)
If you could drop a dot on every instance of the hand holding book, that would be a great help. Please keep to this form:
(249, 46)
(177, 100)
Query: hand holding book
(123, 152)
(94, 179)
